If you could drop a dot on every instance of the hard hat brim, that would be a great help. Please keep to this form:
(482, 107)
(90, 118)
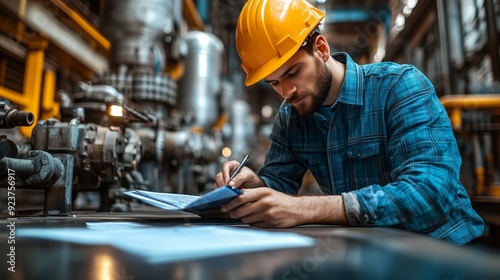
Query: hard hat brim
(269, 67)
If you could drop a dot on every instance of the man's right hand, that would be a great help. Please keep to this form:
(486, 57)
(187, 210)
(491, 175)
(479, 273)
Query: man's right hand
(245, 179)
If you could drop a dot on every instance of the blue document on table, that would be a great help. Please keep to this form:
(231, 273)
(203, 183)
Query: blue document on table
(210, 202)
(162, 244)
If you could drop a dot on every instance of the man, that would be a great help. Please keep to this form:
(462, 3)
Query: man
(376, 138)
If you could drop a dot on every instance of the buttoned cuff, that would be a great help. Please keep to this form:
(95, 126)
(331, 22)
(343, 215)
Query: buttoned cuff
(352, 208)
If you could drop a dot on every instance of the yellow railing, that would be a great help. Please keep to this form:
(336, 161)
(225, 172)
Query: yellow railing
(482, 142)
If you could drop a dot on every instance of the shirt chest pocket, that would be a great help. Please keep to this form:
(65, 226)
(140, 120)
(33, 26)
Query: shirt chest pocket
(367, 165)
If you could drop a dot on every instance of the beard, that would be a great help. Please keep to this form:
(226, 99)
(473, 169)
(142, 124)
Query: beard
(318, 96)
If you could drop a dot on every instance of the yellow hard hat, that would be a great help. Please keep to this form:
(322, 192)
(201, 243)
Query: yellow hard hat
(269, 32)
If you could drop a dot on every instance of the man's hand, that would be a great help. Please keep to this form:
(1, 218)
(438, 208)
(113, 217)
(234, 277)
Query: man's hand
(265, 207)
(245, 179)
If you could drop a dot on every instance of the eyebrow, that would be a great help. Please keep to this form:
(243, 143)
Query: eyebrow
(285, 73)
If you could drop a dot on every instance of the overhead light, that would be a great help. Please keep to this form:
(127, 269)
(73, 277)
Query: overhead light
(411, 3)
(379, 55)
(399, 22)
(407, 11)
(226, 152)
(115, 111)
(266, 111)
(408, 8)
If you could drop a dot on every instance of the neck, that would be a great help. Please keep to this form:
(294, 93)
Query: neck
(338, 74)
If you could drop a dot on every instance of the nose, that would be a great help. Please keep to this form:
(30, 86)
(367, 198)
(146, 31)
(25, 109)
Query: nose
(287, 89)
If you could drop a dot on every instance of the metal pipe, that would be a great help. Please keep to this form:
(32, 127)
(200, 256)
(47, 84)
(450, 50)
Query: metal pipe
(10, 118)
(491, 27)
(445, 46)
(134, 34)
(202, 84)
(192, 16)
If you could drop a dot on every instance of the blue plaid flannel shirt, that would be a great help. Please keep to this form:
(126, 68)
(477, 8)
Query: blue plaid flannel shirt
(389, 150)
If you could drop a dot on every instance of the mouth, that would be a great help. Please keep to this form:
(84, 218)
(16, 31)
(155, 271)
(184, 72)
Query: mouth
(298, 101)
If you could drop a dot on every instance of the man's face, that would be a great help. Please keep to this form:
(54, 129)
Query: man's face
(304, 81)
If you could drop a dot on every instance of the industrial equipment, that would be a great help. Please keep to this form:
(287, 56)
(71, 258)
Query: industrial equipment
(135, 126)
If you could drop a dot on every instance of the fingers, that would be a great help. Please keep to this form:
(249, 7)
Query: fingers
(227, 170)
(248, 197)
(248, 213)
(263, 207)
(236, 202)
(245, 178)
(222, 178)
(218, 181)
(252, 213)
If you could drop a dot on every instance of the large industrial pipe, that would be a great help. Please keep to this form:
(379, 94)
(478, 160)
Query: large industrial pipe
(137, 31)
(201, 84)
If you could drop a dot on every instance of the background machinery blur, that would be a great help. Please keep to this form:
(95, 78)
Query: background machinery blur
(149, 94)
(149, 116)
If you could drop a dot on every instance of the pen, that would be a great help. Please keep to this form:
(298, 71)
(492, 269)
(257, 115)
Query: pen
(242, 163)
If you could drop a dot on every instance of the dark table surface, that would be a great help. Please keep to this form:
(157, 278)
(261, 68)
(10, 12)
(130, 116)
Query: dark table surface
(339, 253)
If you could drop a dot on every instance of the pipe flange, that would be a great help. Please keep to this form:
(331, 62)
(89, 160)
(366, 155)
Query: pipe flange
(47, 168)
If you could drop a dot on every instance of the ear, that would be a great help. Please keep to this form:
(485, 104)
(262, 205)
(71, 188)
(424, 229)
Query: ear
(322, 47)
